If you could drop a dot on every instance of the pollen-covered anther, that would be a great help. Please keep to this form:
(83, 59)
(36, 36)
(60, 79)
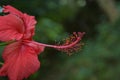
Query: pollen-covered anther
(71, 44)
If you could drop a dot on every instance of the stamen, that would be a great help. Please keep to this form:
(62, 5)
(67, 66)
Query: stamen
(71, 44)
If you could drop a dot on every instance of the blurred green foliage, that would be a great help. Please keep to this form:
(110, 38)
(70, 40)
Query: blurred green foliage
(98, 59)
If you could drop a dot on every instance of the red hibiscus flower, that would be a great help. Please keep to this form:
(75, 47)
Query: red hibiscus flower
(20, 57)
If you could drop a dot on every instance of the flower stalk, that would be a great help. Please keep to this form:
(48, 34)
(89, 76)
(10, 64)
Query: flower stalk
(6, 43)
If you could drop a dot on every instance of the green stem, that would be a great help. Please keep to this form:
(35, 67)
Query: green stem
(1, 63)
(6, 43)
(3, 43)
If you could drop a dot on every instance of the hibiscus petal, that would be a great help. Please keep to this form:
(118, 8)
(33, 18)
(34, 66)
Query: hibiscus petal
(20, 61)
(11, 27)
(29, 21)
(38, 48)
(30, 25)
(12, 10)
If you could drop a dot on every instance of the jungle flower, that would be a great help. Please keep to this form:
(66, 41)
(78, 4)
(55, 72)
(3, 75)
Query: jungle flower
(21, 56)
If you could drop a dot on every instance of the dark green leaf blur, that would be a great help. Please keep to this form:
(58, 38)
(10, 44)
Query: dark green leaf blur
(99, 58)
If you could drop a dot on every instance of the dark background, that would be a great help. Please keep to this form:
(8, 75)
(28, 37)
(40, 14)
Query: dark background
(99, 58)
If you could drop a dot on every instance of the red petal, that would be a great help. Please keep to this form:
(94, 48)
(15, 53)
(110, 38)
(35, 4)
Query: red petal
(29, 21)
(11, 27)
(30, 25)
(12, 10)
(20, 61)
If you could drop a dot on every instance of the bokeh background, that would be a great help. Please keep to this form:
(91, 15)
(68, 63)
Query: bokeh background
(99, 58)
